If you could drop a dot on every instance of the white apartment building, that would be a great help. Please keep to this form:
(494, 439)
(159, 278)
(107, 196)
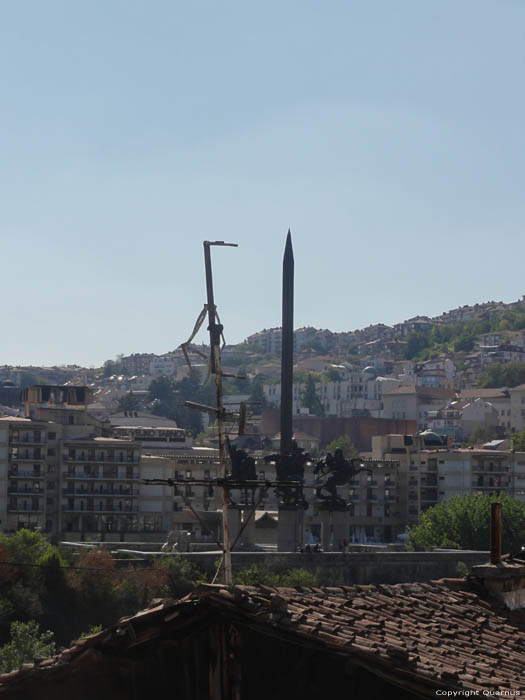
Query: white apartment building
(517, 408)
(361, 391)
(498, 397)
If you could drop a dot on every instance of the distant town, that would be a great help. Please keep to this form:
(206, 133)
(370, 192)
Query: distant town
(441, 399)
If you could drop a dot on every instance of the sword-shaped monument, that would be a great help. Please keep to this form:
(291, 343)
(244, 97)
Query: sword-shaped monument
(291, 460)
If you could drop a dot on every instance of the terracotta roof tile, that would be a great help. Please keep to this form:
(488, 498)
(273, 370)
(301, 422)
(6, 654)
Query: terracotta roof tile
(440, 633)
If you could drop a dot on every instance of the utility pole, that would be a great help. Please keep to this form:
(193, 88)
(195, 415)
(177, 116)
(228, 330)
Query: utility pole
(215, 329)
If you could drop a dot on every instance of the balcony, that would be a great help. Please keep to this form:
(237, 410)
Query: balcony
(100, 459)
(492, 487)
(25, 473)
(101, 477)
(26, 457)
(491, 470)
(14, 440)
(125, 493)
(25, 509)
(105, 509)
(23, 491)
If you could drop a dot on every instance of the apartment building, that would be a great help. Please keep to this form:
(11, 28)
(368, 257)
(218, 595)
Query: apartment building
(434, 472)
(498, 397)
(27, 474)
(378, 508)
(166, 508)
(138, 363)
(59, 469)
(501, 354)
(98, 483)
(358, 392)
(414, 403)
(517, 407)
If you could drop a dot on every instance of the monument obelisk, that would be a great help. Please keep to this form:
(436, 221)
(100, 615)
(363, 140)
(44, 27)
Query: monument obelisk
(287, 350)
(290, 533)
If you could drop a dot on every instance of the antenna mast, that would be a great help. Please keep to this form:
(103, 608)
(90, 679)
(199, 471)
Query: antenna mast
(215, 328)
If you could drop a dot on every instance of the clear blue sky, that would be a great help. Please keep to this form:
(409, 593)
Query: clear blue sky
(389, 136)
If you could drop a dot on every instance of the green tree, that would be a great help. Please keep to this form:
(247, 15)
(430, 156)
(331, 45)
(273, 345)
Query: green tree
(463, 522)
(255, 575)
(483, 433)
(129, 402)
(518, 441)
(344, 443)
(26, 644)
(296, 578)
(497, 374)
(257, 398)
(111, 367)
(162, 389)
(310, 398)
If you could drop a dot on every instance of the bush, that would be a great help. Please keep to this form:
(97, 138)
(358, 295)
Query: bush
(26, 644)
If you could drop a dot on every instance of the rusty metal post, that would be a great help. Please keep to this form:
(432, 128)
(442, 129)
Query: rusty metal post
(495, 533)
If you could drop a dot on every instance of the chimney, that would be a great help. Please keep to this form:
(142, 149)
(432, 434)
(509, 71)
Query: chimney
(495, 533)
(502, 577)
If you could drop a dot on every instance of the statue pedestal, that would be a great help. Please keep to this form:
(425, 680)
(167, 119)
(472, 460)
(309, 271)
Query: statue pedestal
(335, 527)
(340, 529)
(248, 535)
(234, 516)
(326, 529)
(290, 530)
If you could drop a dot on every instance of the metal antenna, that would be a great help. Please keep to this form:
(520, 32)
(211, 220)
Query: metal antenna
(215, 328)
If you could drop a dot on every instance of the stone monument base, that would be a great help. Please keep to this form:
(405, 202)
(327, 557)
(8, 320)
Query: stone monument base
(335, 526)
(290, 530)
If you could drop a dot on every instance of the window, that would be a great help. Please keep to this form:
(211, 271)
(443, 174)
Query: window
(51, 436)
(51, 452)
(369, 511)
(71, 420)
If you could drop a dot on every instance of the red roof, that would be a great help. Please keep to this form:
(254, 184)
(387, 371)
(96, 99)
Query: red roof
(425, 636)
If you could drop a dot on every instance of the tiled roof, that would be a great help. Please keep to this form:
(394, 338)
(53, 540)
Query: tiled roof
(426, 636)
(495, 393)
(422, 391)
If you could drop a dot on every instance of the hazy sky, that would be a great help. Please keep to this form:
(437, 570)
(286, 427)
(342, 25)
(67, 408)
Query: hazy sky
(389, 136)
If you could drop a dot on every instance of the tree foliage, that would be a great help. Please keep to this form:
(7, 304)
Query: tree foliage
(518, 441)
(460, 336)
(129, 402)
(26, 644)
(169, 396)
(264, 575)
(344, 443)
(483, 433)
(257, 398)
(112, 367)
(463, 522)
(310, 398)
(503, 374)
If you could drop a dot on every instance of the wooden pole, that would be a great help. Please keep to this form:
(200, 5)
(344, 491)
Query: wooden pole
(215, 330)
